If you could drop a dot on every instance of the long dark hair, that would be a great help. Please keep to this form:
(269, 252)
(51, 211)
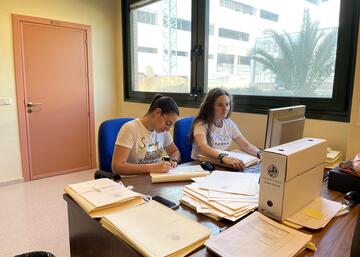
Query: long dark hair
(165, 103)
(207, 112)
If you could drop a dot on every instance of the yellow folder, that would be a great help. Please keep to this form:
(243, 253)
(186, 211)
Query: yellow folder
(102, 196)
(155, 230)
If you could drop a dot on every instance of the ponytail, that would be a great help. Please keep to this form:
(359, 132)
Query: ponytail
(165, 103)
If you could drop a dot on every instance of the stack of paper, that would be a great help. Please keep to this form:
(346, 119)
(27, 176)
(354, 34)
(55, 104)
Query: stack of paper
(180, 173)
(155, 230)
(102, 196)
(316, 214)
(257, 236)
(246, 158)
(223, 195)
(333, 159)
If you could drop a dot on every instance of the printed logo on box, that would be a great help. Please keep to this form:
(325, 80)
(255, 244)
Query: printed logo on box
(272, 171)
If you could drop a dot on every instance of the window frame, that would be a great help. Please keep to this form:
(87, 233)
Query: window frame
(336, 108)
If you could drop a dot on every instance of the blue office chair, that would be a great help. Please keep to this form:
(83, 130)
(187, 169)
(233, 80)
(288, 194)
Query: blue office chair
(108, 131)
(181, 137)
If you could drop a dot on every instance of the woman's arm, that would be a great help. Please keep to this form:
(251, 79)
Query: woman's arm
(121, 166)
(204, 148)
(246, 146)
(210, 152)
(173, 153)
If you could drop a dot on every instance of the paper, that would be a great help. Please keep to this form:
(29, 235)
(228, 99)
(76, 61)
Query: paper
(180, 173)
(257, 236)
(246, 158)
(231, 182)
(155, 230)
(185, 169)
(316, 214)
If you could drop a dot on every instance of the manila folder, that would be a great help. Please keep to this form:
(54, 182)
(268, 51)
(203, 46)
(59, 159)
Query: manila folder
(102, 196)
(258, 236)
(155, 230)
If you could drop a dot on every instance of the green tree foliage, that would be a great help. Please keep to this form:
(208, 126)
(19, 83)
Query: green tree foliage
(305, 60)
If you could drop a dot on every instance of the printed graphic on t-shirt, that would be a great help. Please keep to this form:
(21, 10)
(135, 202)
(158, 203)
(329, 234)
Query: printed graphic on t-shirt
(152, 151)
(219, 141)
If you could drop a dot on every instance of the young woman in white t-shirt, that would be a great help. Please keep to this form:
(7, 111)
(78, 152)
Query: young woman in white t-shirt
(213, 130)
(140, 143)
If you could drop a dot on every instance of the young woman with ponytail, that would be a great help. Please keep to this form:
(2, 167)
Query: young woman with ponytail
(140, 143)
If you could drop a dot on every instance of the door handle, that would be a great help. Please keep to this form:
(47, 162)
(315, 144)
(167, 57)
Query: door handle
(31, 104)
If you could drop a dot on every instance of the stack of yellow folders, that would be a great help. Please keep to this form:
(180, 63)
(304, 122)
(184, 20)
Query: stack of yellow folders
(246, 158)
(223, 195)
(155, 230)
(258, 236)
(102, 196)
(333, 159)
(180, 173)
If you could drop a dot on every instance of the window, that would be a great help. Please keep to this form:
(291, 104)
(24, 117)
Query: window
(233, 34)
(315, 2)
(225, 63)
(262, 59)
(146, 17)
(237, 6)
(183, 25)
(147, 50)
(244, 60)
(269, 15)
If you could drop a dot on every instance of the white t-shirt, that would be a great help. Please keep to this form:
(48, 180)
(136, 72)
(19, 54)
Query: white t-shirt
(221, 137)
(146, 146)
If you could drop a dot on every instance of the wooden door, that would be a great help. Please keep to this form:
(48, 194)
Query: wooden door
(54, 96)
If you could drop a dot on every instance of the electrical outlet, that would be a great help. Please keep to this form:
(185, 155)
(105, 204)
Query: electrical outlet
(5, 100)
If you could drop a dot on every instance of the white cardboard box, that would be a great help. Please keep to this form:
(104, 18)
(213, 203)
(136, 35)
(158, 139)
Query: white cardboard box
(291, 176)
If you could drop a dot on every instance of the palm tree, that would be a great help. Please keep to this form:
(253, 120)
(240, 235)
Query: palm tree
(305, 60)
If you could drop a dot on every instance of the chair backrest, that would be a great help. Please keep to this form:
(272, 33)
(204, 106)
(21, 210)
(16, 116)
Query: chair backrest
(181, 132)
(108, 131)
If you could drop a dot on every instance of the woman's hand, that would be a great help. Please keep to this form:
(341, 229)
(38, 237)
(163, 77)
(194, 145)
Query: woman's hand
(234, 162)
(160, 167)
(173, 164)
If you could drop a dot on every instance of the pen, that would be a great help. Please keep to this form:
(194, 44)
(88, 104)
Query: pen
(167, 159)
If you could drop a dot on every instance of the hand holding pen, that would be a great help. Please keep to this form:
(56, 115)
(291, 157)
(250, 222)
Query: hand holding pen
(173, 163)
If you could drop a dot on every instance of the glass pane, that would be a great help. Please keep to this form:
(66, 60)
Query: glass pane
(273, 48)
(160, 43)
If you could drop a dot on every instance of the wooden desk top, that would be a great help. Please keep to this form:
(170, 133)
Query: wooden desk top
(333, 240)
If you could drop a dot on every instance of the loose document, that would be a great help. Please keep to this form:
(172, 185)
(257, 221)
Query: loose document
(258, 236)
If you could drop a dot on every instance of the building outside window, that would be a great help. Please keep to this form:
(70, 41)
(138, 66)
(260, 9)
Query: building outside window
(286, 49)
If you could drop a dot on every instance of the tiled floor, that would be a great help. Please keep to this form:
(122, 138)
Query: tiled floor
(33, 215)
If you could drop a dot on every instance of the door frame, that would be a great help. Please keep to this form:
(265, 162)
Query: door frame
(21, 93)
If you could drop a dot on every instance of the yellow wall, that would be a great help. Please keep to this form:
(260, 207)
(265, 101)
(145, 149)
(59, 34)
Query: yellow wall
(353, 140)
(101, 15)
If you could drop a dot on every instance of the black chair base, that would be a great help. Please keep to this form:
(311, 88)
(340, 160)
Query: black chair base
(106, 174)
(36, 254)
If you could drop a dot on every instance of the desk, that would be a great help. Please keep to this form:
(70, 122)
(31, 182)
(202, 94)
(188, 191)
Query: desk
(89, 238)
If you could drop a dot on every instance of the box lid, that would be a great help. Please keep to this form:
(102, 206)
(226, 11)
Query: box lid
(301, 155)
